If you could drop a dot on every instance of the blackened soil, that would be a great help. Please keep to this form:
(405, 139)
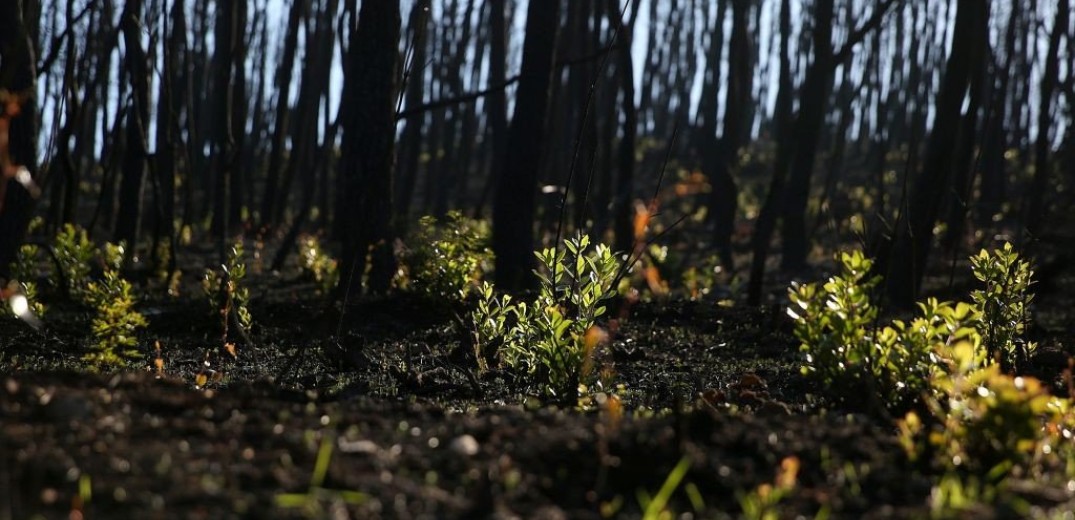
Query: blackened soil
(414, 432)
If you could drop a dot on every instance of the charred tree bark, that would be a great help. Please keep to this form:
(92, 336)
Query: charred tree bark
(1035, 209)
(623, 227)
(903, 259)
(167, 153)
(229, 109)
(721, 156)
(305, 152)
(782, 124)
(582, 75)
(813, 98)
(515, 201)
(17, 86)
(454, 139)
(129, 214)
(303, 119)
(368, 119)
(808, 125)
(498, 104)
(411, 141)
(963, 162)
(66, 197)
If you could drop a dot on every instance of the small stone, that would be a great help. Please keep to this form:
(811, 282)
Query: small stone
(465, 445)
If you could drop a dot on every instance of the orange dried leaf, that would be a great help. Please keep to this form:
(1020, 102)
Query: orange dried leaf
(789, 471)
(595, 336)
(614, 411)
(230, 347)
(654, 281)
(642, 216)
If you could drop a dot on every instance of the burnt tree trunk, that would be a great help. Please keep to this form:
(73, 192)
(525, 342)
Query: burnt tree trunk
(228, 117)
(167, 135)
(515, 201)
(497, 100)
(368, 119)
(305, 151)
(813, 96)
(128, 216)
(782, 125)
(411, 141)
(1035, 206)
(722, 156)
(903, 259)
(807, 128)
(277, 148)
(623, 227)
(17, 85)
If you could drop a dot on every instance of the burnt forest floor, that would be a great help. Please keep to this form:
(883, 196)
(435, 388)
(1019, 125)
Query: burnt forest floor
(389, 398)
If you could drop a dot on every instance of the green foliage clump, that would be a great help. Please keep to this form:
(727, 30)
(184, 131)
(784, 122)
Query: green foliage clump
(554, 337)
(115, 321)
(985, 420)
(226, 294)
(446, 259)
(980, 424)
(845, 347)
(984, 426)
(74, 253)
(847, 350)
(1003, 303)
(317, 264)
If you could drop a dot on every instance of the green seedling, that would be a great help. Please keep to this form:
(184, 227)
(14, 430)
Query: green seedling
(310, 501)
(227, 296)
(656, 507)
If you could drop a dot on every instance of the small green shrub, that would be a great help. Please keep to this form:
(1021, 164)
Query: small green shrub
(834, 321)
(317, 264)
(74, 253)
(115, 322)
(847, 350)
(982, 421)
(446, 259)
(553, 338)
(845, 347)
(1003, 303)
(226, 294)
(981, 424)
